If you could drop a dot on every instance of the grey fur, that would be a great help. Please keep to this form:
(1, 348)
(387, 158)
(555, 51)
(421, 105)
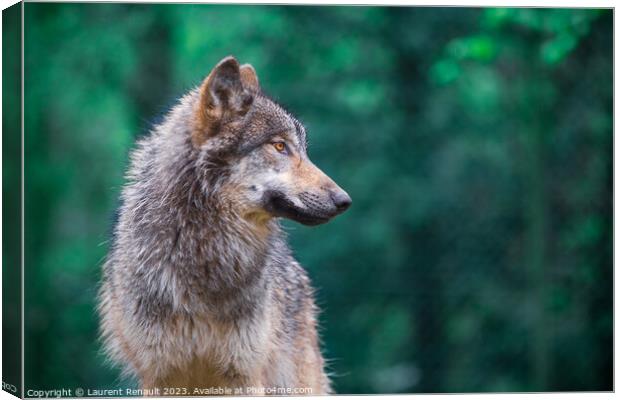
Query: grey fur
(200, 287)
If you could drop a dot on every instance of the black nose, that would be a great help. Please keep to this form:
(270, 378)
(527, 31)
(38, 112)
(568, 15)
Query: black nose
(341, 200)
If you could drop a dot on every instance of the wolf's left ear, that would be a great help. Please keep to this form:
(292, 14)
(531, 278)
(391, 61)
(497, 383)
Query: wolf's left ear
(222, 97)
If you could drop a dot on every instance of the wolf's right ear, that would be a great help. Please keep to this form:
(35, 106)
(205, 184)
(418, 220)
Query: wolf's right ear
(222, 97)
(249, 77)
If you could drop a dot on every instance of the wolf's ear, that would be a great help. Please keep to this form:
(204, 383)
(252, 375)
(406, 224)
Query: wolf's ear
(249, 77)
(222, 96)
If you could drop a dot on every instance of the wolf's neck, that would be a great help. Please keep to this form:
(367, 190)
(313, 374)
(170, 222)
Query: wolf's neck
(233, 258)
(220, 258)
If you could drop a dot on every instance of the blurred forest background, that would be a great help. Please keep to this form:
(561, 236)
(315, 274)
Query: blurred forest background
(476, 145)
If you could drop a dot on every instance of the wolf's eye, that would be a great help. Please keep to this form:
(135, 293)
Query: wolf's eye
(280, 146)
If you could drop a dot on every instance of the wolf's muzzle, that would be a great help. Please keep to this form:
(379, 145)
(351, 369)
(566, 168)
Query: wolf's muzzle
(317, 209)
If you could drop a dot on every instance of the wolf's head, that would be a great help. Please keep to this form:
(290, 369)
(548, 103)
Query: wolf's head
(262, 148)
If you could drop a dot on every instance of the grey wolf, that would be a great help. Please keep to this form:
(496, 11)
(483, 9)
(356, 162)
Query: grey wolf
(199, 287)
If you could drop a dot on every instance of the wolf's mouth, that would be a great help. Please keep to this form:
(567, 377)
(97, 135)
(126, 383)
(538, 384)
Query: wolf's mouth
(277, 204)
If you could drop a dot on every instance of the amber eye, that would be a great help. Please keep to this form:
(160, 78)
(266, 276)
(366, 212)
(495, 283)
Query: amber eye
(280, 146)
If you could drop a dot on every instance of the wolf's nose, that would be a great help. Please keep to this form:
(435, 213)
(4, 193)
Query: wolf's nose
(341, 200)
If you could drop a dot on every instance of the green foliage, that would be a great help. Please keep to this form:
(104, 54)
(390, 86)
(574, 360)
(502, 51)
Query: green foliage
(475, 143)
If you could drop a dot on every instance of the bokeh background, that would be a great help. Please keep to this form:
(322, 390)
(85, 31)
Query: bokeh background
(476, 144)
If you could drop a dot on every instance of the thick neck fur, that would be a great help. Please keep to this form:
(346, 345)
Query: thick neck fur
(186, 245)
